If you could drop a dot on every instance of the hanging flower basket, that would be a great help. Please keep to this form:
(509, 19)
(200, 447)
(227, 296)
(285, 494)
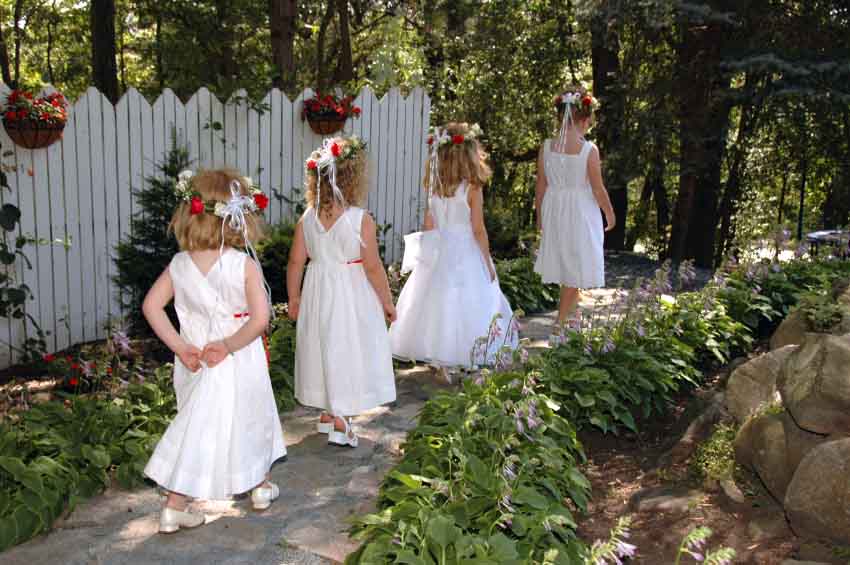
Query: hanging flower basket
(326, 114)
(32, 134)
(34, 122)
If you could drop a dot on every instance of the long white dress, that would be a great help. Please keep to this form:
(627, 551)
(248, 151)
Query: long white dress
(449, 300)
(571, 250)
(343, 362)
(227, 432)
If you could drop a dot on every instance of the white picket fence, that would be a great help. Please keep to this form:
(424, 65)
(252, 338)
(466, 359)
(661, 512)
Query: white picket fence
(82, 188)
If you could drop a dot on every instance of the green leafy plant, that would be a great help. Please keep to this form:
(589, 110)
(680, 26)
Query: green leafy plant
(821, 311)
(693, 545)
(273, 253)
(523, 287)
(281, 344)
(715, 458)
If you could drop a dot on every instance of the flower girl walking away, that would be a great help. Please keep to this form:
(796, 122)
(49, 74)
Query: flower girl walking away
(452, 296)
(343, 363)
(568, 198)
(227, 432)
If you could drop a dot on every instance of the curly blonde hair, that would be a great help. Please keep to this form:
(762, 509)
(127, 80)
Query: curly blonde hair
(460, 162)
(579, 112)
(204, 231)
(351, 179)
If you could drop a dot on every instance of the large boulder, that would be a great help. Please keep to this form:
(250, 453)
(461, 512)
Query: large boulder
(760, 446)
(817, 501)
(753, 384)
(814, 384)
(791, 331)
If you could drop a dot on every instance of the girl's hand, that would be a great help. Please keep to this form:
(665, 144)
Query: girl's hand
(190, 356)
(390, 313)
(292, 308)
(611, 221)
(214, 353)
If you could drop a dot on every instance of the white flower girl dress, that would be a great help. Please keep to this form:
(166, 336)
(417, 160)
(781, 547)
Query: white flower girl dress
(227, 432)
(449, 300)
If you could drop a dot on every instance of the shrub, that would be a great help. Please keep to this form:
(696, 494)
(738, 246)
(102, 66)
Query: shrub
(281, 343)
(273, 253)
(143, 256)
(715, 459)
(523, 287)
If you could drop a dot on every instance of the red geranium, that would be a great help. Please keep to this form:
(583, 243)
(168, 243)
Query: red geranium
(311, 164)
(11, 116)
(261, 200)
(75, 366)
(329, 107)
(23, 105)
(335, 150)
(196, 206)
(457, 139)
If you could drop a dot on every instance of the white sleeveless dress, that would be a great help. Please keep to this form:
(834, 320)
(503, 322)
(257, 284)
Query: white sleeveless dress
(227, 432)
(571, 249)
(343, 362)
(449, 301)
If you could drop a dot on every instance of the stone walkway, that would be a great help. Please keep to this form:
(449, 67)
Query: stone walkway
(322, 487)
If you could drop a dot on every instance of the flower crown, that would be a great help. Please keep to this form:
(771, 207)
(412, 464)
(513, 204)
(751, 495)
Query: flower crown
(441, 136)
(586, 101)
(197, 205)
(331, 151)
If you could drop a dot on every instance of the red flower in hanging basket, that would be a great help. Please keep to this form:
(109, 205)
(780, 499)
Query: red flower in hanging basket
(49, 358)
(329, 107)
(261, 200)
(34, 121)
(196, 206)
(73, 381)
(355, 111)
(457, 139)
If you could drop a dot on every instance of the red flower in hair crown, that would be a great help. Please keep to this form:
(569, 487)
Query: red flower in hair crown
(197, 205)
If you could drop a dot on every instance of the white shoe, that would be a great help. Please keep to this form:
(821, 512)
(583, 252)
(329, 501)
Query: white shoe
(171, 520)
(325, 427)
(343, 438)
(262, 497)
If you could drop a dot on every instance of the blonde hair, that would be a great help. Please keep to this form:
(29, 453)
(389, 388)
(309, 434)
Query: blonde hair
(350, 178)
(460, 162)
(579, 111)
(204, 231)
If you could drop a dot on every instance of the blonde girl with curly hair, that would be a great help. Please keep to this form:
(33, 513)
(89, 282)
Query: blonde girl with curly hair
(227, 432)
(568, 198)
(447, 308)
(343, 363)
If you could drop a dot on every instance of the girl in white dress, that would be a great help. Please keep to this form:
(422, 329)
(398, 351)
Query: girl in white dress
(343, 363)
(452, 296)
(226, 433)
(568, 197)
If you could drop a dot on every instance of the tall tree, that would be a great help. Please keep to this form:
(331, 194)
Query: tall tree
(345, 69)
(282, 21)
(103, 52)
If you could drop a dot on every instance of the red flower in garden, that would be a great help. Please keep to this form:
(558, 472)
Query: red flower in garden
(457, 139)
(311, 165)
(49, 358)
(196, 206)
(335, 149)
(73, 381)
(261, 200)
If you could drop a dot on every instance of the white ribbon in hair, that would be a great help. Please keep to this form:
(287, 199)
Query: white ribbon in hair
(326, 166)
(440, 136)
(232, 214)
(569, 99)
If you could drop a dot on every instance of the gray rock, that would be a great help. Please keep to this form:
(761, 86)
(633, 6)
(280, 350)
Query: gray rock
(817, 501)
(664, 499)
(760, 445)
(791, 331)
(731, 490)
(815, 384)
(753, 384)
(770, 526)
(795, 562)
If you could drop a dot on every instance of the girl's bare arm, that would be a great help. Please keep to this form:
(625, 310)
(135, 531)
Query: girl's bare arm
(594, 173)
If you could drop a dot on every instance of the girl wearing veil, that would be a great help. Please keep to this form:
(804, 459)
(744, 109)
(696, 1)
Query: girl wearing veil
(343, 363)
(227, 432)
(568, 197)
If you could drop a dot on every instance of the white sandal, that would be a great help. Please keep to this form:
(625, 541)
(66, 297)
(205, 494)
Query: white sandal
(346, 438)
(263, 496)
(324, 427)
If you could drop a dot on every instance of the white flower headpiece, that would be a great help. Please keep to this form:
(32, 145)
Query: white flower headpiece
(440, 137)
(570, 99)
(256, 202)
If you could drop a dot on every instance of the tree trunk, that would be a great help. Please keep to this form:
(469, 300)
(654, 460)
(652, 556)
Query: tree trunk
(19, 38)
(321, 75)
(605, 49)
(5, 67)
(104, 68)
(51, 22)
(225, 66)
(122, 51)
(804, 172)
(345, 70)
(160, 63)
(701, 144)
(782, 195)
(282, 17)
